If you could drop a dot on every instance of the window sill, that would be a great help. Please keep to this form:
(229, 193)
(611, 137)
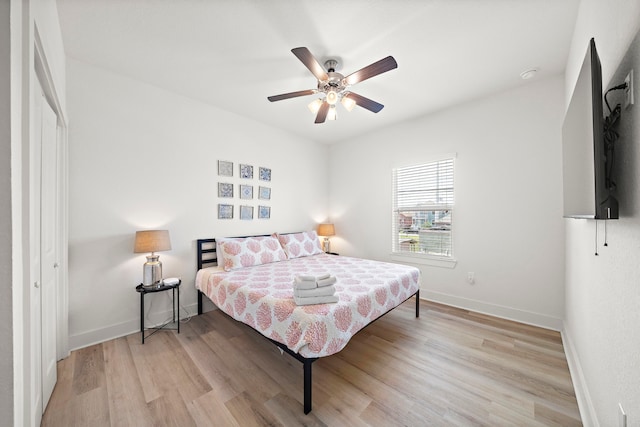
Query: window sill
(425, 260)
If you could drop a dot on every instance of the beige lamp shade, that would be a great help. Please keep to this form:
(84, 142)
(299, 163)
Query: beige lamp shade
(152, 241)
(326, 230)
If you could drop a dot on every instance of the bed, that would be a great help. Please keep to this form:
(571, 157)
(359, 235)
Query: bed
(253, 285)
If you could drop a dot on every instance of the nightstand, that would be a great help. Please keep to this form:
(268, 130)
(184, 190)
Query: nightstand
(175, 302)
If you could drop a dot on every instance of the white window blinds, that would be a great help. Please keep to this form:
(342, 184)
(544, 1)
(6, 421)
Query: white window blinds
(423, 202)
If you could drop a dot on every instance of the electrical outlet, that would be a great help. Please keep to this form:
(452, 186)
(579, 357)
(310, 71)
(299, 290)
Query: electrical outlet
(471, 277)
(622, 416)
(628, 91)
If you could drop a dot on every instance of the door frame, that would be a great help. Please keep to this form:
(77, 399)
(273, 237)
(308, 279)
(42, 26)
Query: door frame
(41, 80)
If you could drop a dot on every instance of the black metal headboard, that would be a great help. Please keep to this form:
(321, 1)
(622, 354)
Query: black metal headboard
(207, 255)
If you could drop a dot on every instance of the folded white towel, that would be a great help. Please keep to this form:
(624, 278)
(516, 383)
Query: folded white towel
(317, 292)
(322, 276)
(304, 284)
(326, 282)
(316, 300)
(306, 277)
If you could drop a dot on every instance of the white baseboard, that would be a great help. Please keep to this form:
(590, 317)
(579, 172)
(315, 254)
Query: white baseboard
(522, 316)
(131, 326)
(587, 413)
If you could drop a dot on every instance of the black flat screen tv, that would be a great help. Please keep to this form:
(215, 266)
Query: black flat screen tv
(584, 161)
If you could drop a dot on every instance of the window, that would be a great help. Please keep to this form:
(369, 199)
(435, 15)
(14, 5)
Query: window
(423, 209)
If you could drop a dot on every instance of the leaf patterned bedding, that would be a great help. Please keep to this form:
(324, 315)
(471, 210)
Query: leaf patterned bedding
(262, 297)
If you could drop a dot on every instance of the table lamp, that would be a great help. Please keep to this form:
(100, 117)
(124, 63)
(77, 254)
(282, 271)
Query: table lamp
(152, 241)
(326, 230)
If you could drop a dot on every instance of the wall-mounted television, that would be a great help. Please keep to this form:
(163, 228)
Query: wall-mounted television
(584, 160)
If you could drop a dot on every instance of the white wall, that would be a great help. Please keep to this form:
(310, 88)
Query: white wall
(142, 158)
(601, 333)
(508, 226)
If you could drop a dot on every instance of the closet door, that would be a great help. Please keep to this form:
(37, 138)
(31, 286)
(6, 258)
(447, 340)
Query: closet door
(48, 246)
(35, 191)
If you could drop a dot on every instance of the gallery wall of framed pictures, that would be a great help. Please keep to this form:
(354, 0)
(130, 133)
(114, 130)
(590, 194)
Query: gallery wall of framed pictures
(246, 197)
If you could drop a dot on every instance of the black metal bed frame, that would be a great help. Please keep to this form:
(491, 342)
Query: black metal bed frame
(207, 257)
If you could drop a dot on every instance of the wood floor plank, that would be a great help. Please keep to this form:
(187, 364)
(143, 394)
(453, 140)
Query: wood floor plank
(167, 410)
(126, 397)
(249, 412)
(210, 407)
(212, 367)
(90, 408)
(450, 367)
(88, 371)
(185, 375)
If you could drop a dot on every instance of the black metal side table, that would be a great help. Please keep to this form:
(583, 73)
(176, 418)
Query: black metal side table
(174, 302)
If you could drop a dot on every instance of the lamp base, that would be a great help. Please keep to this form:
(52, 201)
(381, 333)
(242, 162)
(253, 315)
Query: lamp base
(326, 245)
(152, 272)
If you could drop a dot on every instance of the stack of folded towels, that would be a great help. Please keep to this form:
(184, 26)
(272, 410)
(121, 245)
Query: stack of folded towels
(308, 290)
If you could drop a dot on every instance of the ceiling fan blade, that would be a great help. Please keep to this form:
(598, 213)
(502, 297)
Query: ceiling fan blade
(274, 98)
(322, 113)
(364, 102)
(382, 66)
(310, 62)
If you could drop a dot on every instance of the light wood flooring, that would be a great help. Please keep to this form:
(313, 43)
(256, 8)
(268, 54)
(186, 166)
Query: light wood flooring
(450, 367)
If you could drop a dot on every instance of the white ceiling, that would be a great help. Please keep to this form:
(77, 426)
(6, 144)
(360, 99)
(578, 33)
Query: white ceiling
(235, 53)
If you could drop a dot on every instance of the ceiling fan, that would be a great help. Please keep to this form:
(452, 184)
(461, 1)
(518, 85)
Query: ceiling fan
(336, 87)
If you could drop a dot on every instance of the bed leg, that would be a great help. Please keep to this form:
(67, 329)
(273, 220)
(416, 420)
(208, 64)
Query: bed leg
(307, 385)
(418, 303)
(199, 302)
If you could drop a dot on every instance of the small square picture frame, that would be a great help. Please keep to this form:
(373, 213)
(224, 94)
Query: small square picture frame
(264, 174)
(264, 193)
(264, 212)
(225, 189)
(246, 212)
(225, 168)
(246, 171)
(246, 191)
(225, 211)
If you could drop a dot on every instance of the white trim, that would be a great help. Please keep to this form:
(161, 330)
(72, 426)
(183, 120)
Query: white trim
(509, 313)
(131, 326)
(587, 411)
(432, 261)
(17, 135)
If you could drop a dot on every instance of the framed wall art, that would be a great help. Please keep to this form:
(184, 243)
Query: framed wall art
(225, 189)
(246, 171)
(225, 168)
(246, 212)
(264, 212)
(264, 174)
(246, 191)
(264, 193)
(225, 211)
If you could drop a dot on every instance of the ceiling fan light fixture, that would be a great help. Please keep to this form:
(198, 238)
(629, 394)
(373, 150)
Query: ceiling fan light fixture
(332, 114)
(314, 106)
(332, 86)
(332, 97)
(348, 103)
